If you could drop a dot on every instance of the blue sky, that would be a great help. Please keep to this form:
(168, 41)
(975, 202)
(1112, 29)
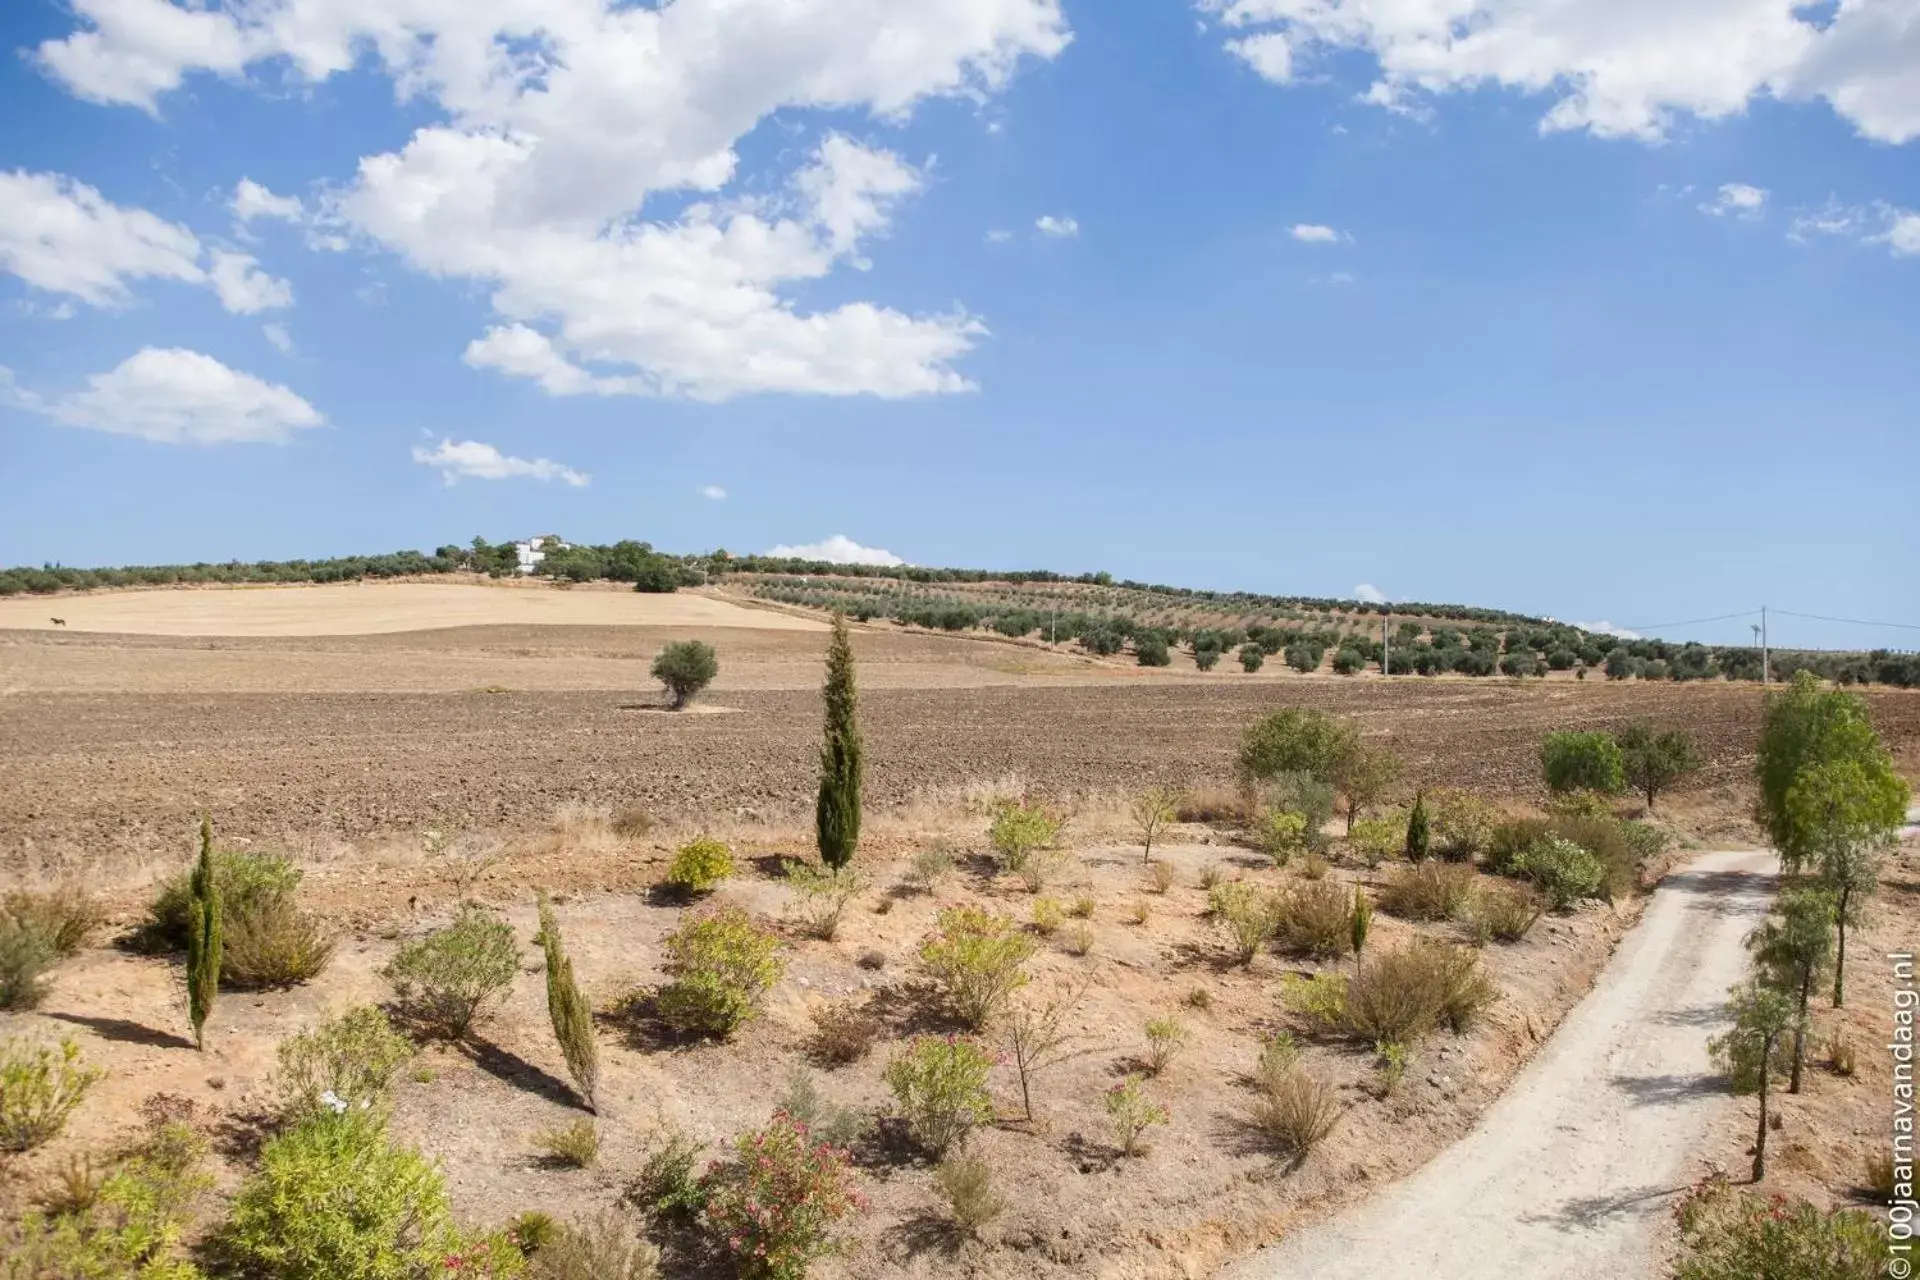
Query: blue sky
(1592, 310)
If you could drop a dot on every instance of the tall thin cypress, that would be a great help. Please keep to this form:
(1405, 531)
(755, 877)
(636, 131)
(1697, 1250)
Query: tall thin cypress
(572, 1015)
(837, 816)
(203, 939)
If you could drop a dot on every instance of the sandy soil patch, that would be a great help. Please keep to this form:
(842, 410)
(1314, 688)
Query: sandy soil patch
(373, 608)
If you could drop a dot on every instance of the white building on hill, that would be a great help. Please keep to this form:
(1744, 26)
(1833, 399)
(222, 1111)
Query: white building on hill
(534, 550)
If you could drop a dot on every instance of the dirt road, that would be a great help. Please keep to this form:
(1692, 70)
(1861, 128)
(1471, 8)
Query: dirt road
(1574, 1171)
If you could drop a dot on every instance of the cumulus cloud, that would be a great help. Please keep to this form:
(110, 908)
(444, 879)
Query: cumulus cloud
(1619, 71)
(174, 396)
(277, 335)
(1605, 628)
(63, 236)
(839, 549)
(712, 492)
(1367, 593)
(1060, 228)
(251, 200)
(1314, 233)
(458, 460)
(1738, 199)
(558, 123)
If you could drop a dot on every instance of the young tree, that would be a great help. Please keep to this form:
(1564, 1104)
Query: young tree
(1360, 923)
(1419, 840)
(571, 1014)
(836, 815)
(1837, 812)
(1809, 727)
(1760, 1017)
(1582, 762)
(203, 943)
(1153, 809)
(685, 668)
(1653, 761)
(1793, 951)
(1037, 1038)
(1365, 774)
(1295, 741)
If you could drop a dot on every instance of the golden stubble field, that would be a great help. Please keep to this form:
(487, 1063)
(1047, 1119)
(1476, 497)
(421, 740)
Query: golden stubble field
(515, 743)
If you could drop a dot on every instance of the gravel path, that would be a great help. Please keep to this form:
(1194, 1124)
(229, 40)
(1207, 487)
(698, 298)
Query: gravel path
(1573, 1172)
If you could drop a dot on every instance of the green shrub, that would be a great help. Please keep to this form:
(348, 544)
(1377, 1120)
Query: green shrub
(1562, 870)
(721, 966)
(667, 1187)
(978, 959)
(966, 1183)
(1429, 891)
(1728, 1235)
(1377, 839)
(1247, 913)
(1419, 836)
(130, 1224)
(1251, 658)
(248, 882)
(1314, 919)
(272, 944)
(333, 1199)
(1305, 657)
(1583, 761)
(351, 1059)
(1019, 830)
(65, 916)
(939, 1084)
(685, 667)
(1280, 835)
(1132, 1113)
(822, 894)
(700, 865)
(1619, 846)
(1295, 740)
(605, 1247)
(1321, 1000)
(1151, 651)
(442, 980)
(25, 957)
(576, 1145)
(1463, 824)
(1296, 1113)
(1348, 661)
(773, 1206)
(1579, 805)
(1166, 1038)
(1510, 841)
(40, 1085)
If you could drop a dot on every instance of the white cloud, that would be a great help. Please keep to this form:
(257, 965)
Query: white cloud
(1604, 628)
(458, 460)
(1367, 593)
(1737, 198)
(174, 396)
(65, 237)
(712, 492)
(839, 549)
(559, 121)
(277, 334)
(251, 200)
(1060, 228)
(998, 236)
(1314, 233)
(1878, 223)
(1336, 278)
(1618, 69)
(243, 287)
(1902, 234)
(528, 353)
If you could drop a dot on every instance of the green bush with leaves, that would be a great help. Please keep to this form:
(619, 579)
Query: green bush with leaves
(1295, 740)
(350, 1061)
(1564, 871)
(335, 1198)
(1301, 793)
(1822, 742)
(1726, 1234)
(1462, 824)
(249, 882)
(1653, 760)
(1349, 661)
(1150, 650)
(978, 959)
(1377, 839)
(966, 1183)
(700, 866)
(685, 667)
(40, 1085)
(1247, 913)
(1320, 1000)
(1020, 829)
(1280, 835)
(939, 1086)
(721, 965)
(442, 981)
(1583, 761)
(1252, 658)
(774, 1205)
(1132, 1113)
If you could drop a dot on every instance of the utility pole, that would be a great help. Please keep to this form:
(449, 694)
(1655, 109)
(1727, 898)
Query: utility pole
(1763, 646)
(1386, 655)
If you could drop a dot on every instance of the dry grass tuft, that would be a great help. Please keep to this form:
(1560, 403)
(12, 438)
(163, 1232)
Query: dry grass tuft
(1429, 891)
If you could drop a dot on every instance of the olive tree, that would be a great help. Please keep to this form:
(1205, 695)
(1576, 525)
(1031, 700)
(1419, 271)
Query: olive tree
(685, 668)
(1653, 760)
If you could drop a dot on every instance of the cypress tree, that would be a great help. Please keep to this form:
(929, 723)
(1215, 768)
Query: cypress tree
(572, 1015)
(203, 939)
(837, 816)
(1419, 841)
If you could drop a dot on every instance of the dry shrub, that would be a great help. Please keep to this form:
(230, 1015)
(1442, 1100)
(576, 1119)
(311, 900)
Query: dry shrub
(1077, 940)
(632, 822)
(1247, 913)
(1507, 912)
(967, 1183)
(1278, 1057)
(1314, 867)
(1215, 804)
(1212, 874)
(76, 1186)
(1840, 1055)
(1082, 907)
(1140, 912)
(1463, 823)
(1314, 919)
(1880, 1178)
(930, 866)
(575, 1145)
(1160, 877)
(843, 1033)
(1429, 891)
(275, 945)
(64, 916)
(1401, 995)
(25, 957)
(1296, 1113)
(1048, 916)
(607, 1247)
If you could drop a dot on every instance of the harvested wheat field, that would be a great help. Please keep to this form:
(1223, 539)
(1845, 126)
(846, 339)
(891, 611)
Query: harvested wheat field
(490, 759)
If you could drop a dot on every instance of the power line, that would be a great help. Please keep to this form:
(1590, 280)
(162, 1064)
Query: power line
(1694, 622)
(1854, 622)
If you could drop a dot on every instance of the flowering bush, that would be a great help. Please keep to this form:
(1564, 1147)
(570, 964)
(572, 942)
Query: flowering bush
(1727, 1235)
(1133, 1113)
(941, 1086)
(977, 958)
(773, 1206)
(700, 865)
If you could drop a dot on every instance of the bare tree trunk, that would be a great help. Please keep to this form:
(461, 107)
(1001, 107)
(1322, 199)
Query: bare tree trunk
(1760, 1143)
(1840, 960)
(1800, 1029)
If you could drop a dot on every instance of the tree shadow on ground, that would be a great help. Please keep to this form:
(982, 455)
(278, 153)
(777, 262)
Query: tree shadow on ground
(511, 1069)
(925, 1232)
(1668, 1090)
(909, 1008)
(122, 1031)
(1723, 893)
(1584, 1213)
(1699, 1015)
